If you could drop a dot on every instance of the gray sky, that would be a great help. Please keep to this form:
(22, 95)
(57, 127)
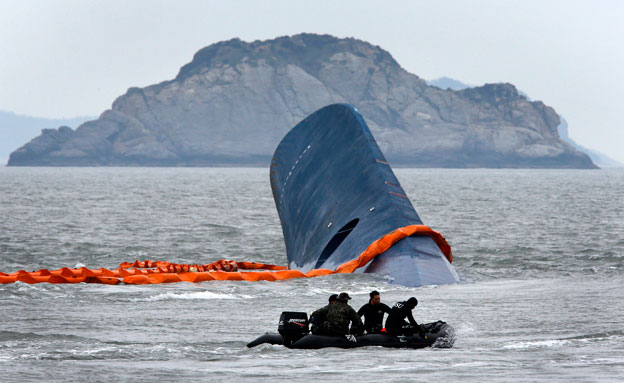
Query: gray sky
(69, 58)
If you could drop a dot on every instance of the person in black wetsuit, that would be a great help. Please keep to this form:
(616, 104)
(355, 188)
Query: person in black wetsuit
(396, 324)
(373, 313)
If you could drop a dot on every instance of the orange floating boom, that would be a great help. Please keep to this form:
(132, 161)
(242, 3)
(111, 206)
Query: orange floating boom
(155, 272)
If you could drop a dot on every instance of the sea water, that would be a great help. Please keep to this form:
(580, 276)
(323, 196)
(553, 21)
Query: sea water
(540, 254)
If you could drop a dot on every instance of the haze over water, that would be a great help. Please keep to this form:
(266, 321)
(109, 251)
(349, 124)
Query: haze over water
(539, 253)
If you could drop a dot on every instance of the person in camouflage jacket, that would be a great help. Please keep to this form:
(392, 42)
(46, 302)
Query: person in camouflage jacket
(334, 319)
(319, 317)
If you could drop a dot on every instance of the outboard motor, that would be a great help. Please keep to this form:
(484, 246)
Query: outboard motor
(293, 326)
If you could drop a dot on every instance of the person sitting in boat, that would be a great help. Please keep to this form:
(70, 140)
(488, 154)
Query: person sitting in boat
(373, 313)
(319, 316)
(396, 324)
(337, 317)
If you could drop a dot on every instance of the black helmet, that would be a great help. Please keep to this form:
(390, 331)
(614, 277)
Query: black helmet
(333, 297)
(412, 302)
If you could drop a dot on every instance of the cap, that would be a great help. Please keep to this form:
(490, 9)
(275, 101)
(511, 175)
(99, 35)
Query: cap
(333, 297)
(343, 297)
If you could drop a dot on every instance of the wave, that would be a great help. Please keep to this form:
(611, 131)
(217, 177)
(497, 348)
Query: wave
(609, 337)
(198, 295)
(8, 336)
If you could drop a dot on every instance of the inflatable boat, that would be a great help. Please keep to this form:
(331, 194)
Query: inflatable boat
(294, 333)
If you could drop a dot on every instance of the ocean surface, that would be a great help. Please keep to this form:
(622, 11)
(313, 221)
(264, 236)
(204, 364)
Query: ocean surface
(540, 254)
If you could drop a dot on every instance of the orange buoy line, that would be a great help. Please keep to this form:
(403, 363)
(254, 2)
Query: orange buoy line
(154, 272)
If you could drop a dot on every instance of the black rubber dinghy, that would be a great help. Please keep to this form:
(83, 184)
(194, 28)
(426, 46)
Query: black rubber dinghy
(437, 334)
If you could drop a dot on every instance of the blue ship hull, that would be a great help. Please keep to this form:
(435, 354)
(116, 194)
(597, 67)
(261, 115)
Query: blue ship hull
(336, 194)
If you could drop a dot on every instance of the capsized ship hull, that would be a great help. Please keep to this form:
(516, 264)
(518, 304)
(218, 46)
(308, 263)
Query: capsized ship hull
(336, 194)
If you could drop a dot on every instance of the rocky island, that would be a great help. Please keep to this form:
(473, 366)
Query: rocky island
(232, 104)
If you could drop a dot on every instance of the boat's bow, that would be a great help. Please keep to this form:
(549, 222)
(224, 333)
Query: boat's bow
(336, 194)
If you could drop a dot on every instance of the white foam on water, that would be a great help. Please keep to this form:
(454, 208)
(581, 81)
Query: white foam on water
(465, 330)
(200, 295)
(551, 343)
